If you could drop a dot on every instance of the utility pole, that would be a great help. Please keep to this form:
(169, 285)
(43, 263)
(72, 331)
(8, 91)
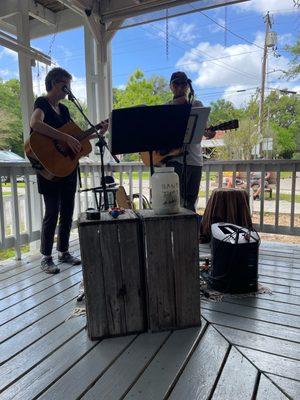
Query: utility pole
(263, 80)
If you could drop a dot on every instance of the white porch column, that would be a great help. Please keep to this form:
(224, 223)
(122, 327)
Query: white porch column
(103, 81)
(25, 64)
(98, 80)
(27, 100)
(89, 46)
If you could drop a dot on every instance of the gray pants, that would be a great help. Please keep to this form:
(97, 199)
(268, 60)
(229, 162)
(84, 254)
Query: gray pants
(193, 179)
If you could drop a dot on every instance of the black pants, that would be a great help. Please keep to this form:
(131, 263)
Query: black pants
(193, 179)
(59, 203)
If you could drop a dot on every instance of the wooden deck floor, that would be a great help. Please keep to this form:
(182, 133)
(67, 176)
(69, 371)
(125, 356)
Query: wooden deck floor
(245, 348)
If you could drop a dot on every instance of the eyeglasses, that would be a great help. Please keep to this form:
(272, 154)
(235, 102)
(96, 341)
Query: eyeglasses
(66, 83)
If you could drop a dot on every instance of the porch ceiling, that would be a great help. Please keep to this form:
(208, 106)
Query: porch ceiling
(49, 16)
(52, 5)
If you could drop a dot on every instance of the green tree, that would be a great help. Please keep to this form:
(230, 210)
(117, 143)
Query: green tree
(294, 70)
(284, 143)
(223, 110)
(238, 144)
(281, 108)
(11, 130)
(140, 90)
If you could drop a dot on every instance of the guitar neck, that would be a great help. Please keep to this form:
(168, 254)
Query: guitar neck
(88, 132)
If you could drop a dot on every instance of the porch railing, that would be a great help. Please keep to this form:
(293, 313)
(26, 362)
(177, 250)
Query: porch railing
(21, 208)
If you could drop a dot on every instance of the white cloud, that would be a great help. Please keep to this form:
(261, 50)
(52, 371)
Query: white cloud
(8, 52)
(286, 38)
(262, 6)
(182, 31)
(239, 95)
(241, 69)
(79, 88)
(7, 73)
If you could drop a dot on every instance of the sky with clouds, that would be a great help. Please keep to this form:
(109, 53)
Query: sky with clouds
(221, 63)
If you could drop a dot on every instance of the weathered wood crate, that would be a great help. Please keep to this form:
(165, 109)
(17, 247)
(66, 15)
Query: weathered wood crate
(172, 269)
(112, 275)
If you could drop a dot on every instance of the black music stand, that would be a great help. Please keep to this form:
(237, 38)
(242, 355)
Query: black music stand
(149, 128)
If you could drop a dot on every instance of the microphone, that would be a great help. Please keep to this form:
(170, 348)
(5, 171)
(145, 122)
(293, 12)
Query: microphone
(65, 89)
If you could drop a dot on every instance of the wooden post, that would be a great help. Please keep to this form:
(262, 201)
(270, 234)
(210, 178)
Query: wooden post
(172, 269)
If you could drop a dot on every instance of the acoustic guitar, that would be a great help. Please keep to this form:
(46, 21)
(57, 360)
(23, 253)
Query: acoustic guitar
(53, 158)
(162, 156)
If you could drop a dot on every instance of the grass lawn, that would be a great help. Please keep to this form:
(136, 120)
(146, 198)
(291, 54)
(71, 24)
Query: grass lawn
(8, 253)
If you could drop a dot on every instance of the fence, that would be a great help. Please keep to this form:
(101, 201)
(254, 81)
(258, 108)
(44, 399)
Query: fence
(21, 208)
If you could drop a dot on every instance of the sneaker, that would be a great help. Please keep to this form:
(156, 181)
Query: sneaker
(48, 266)
(69, 259)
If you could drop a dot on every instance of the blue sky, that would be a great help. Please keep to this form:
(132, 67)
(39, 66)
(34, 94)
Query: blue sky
(219, 62)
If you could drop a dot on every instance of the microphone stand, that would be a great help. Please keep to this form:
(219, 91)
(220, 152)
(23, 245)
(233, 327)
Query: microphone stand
(100, 144)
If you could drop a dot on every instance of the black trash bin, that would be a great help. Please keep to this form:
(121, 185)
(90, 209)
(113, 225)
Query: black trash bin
(234, 258)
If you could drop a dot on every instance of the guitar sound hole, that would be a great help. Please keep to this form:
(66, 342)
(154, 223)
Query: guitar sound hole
(60, 148)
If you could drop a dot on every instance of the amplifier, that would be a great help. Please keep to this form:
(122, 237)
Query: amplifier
(234, 258)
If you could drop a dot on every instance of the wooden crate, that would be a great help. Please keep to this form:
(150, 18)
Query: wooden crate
(112, 274)
(172, 269)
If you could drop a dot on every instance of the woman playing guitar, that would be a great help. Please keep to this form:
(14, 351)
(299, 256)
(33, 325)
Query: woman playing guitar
(48, 116)
(182, 90)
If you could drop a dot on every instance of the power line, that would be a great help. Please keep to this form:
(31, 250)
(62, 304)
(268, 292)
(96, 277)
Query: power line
(197, 52)
(183, 65)
(225, 28)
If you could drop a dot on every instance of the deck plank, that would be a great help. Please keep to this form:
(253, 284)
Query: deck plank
(250, 325)
(34, 332)
(253, 313)
(260, 342)
(70, 370)
(270, 363)
(200, 374)
(31, 356)
(32, 302)
(38, 287)
(237, 380)
(127, 367)
(29, 317)
(32, 262)
(289, 386)
(251, 343)
(157, 379)
(267, 390)
(265, 304)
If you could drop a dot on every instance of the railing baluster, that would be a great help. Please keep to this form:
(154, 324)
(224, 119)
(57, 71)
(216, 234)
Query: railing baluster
(86, 202)
(234, 176)
(277, 198)
(207, 185)
(130, 182)
(15, 210)
(2, 220)
(121, 175)
(220, 177)
(248, 179)
(13, 221)
(293, 199)
(28, 207)
(262, 198)
(140, 187)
